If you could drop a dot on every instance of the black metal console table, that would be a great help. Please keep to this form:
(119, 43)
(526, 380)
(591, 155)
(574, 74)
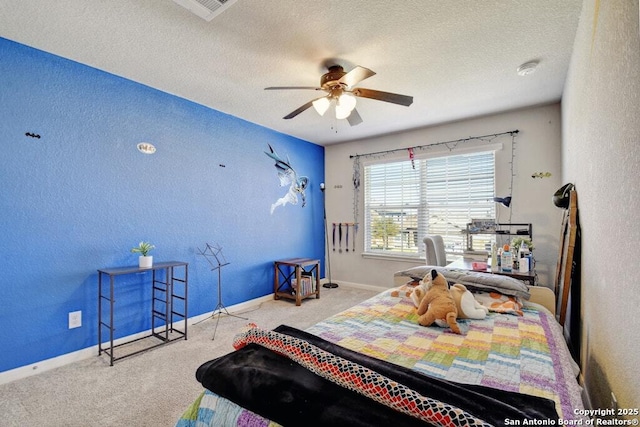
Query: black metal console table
(166, 300)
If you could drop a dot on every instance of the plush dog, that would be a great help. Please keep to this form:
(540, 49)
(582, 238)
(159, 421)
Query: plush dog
(438, 303)
(468, 307)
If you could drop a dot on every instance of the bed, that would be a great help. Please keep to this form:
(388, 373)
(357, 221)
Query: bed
(373, 364)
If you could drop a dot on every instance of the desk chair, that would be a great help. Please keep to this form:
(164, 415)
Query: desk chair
(435, 253)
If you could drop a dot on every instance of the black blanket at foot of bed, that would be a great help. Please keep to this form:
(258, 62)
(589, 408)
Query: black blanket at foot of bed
(281, 390)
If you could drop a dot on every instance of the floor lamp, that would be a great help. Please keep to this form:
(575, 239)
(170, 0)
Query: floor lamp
(329, 284)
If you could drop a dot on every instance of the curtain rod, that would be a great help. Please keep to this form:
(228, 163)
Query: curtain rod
(511, 132)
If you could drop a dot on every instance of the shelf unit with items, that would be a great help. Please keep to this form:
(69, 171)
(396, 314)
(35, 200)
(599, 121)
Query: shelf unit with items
(500, 229)
(296, 279)
(168, 301)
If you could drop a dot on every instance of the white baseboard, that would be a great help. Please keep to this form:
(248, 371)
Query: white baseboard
(358, 285)
(46, 365)
(85, 353)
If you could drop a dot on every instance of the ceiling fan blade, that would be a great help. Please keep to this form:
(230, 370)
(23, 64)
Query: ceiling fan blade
(354, 118)
(299, 110)
(394, 98)
(292, 87)
(356, 75)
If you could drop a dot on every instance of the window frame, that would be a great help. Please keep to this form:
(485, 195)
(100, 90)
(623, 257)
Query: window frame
(454, 245)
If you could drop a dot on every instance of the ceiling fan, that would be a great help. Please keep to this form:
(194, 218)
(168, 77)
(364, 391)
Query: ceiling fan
(341, 92)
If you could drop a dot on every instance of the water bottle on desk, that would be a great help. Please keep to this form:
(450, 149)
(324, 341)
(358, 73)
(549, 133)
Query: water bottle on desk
(507, 259)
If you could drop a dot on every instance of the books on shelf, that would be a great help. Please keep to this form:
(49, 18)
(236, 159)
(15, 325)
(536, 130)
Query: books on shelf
(307, 284)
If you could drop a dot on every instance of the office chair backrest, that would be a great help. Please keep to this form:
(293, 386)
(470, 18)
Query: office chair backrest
(435, 253)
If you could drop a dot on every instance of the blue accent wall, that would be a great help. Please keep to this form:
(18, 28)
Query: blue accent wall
(81, 196)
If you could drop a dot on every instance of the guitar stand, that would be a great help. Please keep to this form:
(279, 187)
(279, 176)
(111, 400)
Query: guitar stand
(211, 253)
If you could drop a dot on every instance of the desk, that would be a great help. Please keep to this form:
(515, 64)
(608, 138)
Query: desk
(164, 304)
(465, 264)
(286, 269)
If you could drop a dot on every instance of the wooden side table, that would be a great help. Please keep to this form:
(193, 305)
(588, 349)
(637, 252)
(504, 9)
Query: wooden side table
(286, 270)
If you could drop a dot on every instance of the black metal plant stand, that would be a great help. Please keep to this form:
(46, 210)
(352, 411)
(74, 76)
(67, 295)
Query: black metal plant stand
(213, 255)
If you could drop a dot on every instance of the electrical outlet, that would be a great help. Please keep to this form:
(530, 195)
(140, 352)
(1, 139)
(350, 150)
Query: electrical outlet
(75, 319)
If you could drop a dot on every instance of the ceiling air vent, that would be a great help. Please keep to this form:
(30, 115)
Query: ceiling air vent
(206, 9)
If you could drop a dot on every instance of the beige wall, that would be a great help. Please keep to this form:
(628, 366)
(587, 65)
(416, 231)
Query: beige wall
(537, 149)
(601, 155)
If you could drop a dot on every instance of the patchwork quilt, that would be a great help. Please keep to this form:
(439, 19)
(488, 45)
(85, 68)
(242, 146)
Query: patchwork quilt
(523, 354)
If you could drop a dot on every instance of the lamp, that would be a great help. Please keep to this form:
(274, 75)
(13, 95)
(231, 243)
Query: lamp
(321, 105)
(504, 201)
(345, 105)
(329, 284)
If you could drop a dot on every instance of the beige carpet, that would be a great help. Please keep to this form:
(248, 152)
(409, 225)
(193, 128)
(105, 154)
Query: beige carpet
(153, 388)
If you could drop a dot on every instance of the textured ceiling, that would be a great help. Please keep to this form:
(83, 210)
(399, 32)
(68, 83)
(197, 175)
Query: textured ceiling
(457, 58)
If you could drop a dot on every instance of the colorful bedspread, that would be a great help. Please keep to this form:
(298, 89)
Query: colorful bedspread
(524, 354)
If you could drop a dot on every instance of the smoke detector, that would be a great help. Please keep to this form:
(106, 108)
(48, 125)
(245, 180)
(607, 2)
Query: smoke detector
(526, 68)
(206, 9)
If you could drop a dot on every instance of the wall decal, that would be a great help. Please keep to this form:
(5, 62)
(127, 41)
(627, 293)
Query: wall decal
(288, 175)
(32, 135)
(541, 175)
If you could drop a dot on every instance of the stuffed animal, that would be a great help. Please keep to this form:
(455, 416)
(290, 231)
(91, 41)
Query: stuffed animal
(468, 307)
(438, 303)
(418, 292)
(405, 290)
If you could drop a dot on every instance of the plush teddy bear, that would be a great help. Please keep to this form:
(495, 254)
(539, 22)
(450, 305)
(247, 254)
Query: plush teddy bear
(438, 303)
(468, 307)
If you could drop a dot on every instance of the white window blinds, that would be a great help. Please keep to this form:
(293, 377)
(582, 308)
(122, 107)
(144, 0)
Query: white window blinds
(404, 202)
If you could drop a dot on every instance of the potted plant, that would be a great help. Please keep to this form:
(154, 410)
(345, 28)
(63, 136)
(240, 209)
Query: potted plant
(518, 241)
(145, 260)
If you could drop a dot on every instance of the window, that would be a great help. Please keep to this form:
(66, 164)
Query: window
(440, 195)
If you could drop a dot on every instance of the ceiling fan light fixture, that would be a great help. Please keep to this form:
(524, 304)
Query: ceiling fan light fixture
(342, 113)
(347, 101)
(339, 87)
(321, 105)
(345, 105)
